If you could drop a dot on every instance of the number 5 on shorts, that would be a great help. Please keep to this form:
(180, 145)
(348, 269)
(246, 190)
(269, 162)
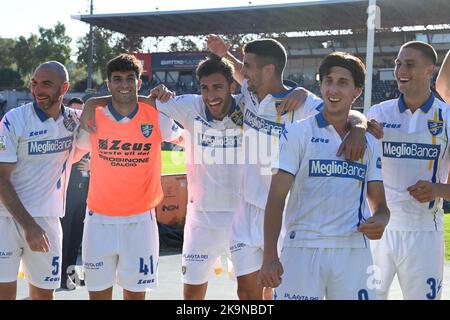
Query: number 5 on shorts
(55, 264)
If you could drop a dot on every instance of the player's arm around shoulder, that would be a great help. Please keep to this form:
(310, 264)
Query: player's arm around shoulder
(354, 144)
(87, 118)
(159, 93)
(294, 100)
(170, 131)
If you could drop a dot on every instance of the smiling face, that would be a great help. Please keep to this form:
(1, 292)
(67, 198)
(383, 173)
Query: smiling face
(124, 86)
(338, 91)
(48, 89)
(413, 71)
(252, 72)
(216, 93)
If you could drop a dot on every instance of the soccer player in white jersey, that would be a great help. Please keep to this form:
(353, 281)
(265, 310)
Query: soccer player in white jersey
(326, 251)
(261, 75)
(415, 169)
(212, 125)
(36, 141)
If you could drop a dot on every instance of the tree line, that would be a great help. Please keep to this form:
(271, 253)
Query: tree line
(19, 57)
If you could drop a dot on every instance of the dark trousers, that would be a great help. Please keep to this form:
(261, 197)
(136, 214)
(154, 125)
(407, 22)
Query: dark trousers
(72, 224)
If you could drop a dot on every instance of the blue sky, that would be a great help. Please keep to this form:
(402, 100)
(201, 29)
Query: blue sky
(23, 17)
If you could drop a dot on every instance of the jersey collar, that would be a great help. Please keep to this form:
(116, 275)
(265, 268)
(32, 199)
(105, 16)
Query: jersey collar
(288, 83)
(425, 107)
(321, 122)
(41, 115)
(233, 108)
(118, 116)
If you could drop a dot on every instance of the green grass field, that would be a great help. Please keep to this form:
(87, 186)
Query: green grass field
(173, 162)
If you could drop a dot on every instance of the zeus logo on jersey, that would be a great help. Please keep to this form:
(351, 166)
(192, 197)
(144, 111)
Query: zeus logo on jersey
(219, 141)
(404, 150)
(319, 140)
(104, 144)
(337, 168)
(37, 133)
(263, 125)
(391, 125)
(198, 118)
(49, 146)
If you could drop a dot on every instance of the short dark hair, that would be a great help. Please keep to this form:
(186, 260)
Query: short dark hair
(213, 64)
(75, 100)
(347, 61)
(268, 51)
(426, 49)
(124, 62)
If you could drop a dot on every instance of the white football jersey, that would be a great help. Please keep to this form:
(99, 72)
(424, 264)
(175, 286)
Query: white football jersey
(262, 129)
(327, 199)
(40, 147)
(213, 156)
(414, 147)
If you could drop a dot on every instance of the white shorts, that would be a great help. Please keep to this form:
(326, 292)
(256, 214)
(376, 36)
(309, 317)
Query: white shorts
(128, 252)
(42, 269)
(247, 239)
(334, 274)
(202, 249)
(418, 259)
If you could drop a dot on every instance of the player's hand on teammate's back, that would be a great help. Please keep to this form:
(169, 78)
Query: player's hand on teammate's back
(161, 93)
(270, 274)
(217, 45)
(293, 101)
(375, 128)
(354, 144)
(423, 191)
(374, 227)
(37, 238)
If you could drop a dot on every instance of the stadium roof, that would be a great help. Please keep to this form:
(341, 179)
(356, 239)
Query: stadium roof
(300, 16)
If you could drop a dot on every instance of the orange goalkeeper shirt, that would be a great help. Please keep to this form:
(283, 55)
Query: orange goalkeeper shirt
(126, 164)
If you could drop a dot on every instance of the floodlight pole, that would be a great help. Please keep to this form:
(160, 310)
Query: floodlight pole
(90, 51)
(373, 21)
